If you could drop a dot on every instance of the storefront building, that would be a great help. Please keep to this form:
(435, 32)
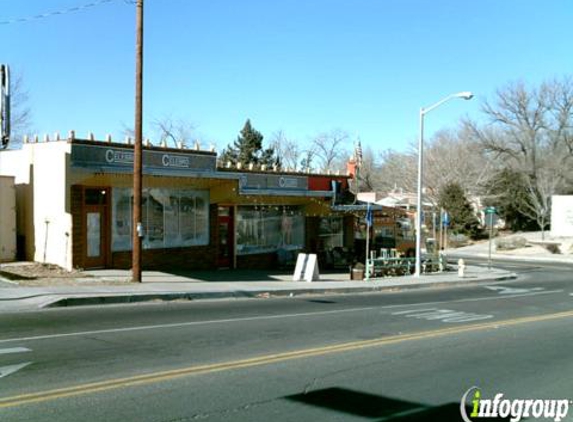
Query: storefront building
(74, 200)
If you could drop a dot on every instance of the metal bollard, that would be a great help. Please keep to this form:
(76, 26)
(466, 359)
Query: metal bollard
(461, 268)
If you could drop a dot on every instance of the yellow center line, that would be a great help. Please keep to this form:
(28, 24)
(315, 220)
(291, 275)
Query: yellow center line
(161, 376)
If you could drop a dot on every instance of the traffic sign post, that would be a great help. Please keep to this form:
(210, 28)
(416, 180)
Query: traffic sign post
(445, 222)
(490, 211)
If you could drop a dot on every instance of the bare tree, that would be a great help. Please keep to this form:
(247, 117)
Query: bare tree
(177, 131)
(368, 173)
(516, 126)
(560, 123)
(397, 170)
(329, 150)
(530, 131)
(127, 130)
(538, 204)
(452, 156)
(308, 156)
(292, 156)
(167, 129)
(21, 114)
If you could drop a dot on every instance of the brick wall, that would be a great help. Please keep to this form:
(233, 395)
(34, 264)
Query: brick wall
(78, 240)
(192, 258)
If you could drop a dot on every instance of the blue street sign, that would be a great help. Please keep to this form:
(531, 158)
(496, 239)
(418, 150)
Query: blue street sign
(369, 216)
(446, 219)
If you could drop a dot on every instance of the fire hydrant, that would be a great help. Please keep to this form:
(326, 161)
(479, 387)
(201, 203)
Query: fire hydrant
(461, 268)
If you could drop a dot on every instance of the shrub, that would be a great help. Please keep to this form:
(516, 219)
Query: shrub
(510, 243)
(553, 248)
(458, 240)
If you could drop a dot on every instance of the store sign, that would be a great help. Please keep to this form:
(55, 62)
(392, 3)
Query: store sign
(273, 182)
(178, 161)
(112, 158)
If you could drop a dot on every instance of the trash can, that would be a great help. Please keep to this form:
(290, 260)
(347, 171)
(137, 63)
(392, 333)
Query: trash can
(357, 272)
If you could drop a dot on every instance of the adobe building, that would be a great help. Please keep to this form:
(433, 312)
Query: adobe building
(74, 202)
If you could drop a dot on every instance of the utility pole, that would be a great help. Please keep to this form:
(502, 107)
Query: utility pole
(137, 227)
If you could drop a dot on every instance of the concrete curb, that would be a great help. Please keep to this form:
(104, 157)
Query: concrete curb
(512, 258)
(114, 299)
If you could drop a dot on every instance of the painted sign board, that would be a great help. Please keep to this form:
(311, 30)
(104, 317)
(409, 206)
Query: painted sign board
(562, 215)
(113, 157)
(255, 181)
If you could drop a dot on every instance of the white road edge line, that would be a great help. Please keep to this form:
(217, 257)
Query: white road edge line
(14, 350)
(184, 324)
(264, 317)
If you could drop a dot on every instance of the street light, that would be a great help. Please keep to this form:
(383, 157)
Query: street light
(466, 95)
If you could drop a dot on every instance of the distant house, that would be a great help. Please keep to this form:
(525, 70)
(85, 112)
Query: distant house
(395, 198)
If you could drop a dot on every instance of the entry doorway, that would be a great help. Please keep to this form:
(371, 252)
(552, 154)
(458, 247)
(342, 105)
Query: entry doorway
(226, 229)
(96, 226)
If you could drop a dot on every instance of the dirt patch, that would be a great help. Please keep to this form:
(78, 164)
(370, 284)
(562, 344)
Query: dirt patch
(35, 271)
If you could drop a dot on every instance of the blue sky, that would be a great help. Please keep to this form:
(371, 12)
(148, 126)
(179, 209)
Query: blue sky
(301, 66)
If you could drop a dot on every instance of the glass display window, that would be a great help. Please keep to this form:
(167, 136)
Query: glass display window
(267, 229)
(170, 217)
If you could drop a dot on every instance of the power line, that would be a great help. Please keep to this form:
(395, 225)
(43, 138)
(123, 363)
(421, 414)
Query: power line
(59, 12)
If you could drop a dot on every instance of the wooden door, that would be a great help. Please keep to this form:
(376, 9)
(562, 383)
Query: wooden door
(226, 229)
(95, 227)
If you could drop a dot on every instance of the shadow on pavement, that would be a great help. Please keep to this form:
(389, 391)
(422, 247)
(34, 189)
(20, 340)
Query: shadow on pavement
(238, 275)
(381, 408)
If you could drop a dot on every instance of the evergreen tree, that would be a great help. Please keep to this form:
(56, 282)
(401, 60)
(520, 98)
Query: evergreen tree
(508, 193)
(248, 148)
(462, 217)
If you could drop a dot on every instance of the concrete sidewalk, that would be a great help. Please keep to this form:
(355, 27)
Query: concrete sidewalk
(533, 253)
(113, 287)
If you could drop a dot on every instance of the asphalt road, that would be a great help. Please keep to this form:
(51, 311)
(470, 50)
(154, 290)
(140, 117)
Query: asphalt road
(406, 356)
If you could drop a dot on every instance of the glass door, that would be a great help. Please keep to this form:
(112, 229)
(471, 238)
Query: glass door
(95, 224)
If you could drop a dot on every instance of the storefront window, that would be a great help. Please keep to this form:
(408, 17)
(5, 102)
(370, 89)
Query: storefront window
(266, 229)
(121, 219)
(331, 233)
(171, 213)
(201, 220)
(153, 218)
(171, 218)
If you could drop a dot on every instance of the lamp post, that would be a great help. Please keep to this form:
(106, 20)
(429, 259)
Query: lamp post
(466, 95)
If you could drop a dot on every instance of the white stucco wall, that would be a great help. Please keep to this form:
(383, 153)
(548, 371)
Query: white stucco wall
(52, 224)
(40, 171)
(16, 163)
(562, 216)
(7, 219)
